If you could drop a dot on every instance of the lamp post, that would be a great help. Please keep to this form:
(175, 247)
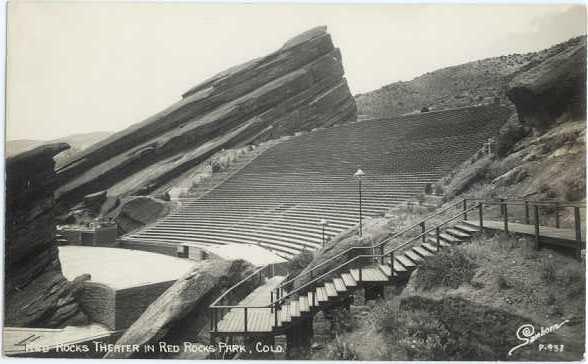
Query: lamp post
(324, 223)
(359, 174)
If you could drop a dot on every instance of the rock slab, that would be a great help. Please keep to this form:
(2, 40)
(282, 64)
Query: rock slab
(36, 292)
(296, 88)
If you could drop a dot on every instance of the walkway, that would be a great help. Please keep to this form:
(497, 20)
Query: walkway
(544, 231)
(259, 320)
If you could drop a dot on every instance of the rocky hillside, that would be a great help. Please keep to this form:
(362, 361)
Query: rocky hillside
(36, 292)
(298, 87)
(541, 151)
(463, 85)
(467, 303)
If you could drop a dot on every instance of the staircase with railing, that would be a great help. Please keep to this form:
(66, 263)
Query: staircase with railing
(390, 262)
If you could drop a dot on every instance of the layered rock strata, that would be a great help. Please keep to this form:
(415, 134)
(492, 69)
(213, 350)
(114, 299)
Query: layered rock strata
(298, 87)
(36, 292)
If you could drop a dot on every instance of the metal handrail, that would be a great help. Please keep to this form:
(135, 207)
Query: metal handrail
(357, 257)
(425, 233)
(256, 272)
(279, 300)
(379, 246)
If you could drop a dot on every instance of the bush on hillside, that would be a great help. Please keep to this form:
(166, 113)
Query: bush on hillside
(428, 189)
(297, 264)
(508, 136)
(448, 269)
(342, 350)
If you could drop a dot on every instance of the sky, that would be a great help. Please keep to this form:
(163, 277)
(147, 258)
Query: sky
(76, 67)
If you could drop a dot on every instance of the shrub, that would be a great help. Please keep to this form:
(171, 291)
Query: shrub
(510, 134)
(342, 350)
(439, 189)
(548, 271)
(448, 269)
(342, 321)
(298, 263)
(428, 189)
(502, 282)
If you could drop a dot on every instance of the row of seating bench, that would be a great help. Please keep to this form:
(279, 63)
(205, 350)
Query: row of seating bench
(278, 200)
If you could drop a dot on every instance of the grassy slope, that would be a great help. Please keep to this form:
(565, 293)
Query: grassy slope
(473, 309)
(462, 85)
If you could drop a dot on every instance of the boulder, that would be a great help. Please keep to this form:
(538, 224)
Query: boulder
(137, 212)
(36, 292)
(296, 88)
(552, 88)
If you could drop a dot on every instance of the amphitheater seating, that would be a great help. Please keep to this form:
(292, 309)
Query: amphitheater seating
(278, 199)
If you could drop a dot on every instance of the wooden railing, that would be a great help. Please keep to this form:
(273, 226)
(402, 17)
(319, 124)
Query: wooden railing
(505, 214)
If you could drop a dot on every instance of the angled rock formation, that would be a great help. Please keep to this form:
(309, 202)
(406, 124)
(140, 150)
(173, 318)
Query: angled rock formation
(552, 88)
(298, 87)
(180, 313)
(36, 292)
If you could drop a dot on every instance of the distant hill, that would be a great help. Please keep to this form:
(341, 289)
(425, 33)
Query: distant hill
(467, 84)
(78, 142)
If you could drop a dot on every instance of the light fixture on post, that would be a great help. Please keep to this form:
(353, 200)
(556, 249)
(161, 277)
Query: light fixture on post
(359, 175)
(324, 223)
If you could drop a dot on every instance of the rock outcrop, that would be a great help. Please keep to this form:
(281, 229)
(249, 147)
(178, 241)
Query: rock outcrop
(181, 312)
(298, 87)
(552, 88)
(36, 292)
(136, 212)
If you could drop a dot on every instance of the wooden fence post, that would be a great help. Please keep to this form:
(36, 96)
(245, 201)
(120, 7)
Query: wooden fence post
(505, 213)
(465, 208)
(245, 321)
(437, 232)
(577, 224)
(481, 213)
(527, 221)
(392, 262)
(578, 228)
(537, 237)
(423, 230)
(276, 315)
(557, 215)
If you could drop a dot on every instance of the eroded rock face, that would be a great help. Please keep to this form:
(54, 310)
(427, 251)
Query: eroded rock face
(36, 292)
(552, 88)
(298, 87)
